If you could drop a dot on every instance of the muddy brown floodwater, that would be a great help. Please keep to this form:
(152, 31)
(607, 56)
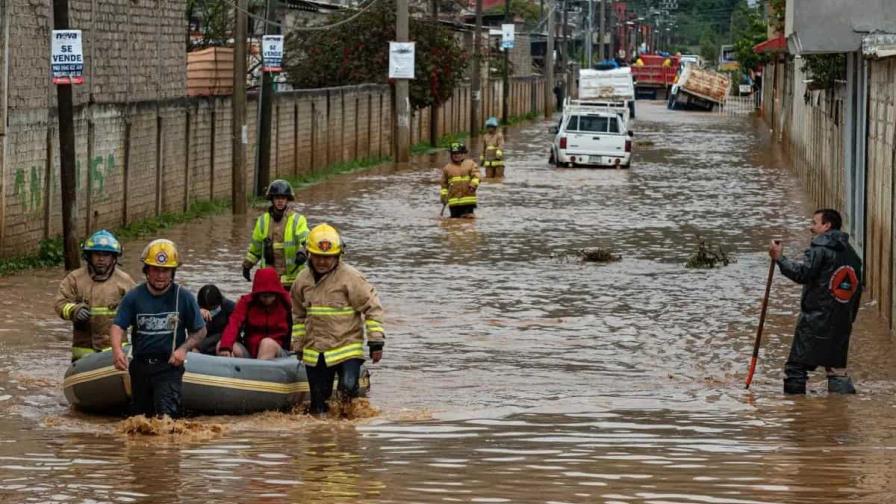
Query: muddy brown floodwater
(510, 374)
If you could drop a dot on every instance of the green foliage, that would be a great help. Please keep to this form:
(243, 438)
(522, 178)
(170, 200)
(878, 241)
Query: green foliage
(49, 254)
(824, 69)
(164, 221)
(747, 31)
(777, 10)
(528, 11)
(358, 53)
(709, 47)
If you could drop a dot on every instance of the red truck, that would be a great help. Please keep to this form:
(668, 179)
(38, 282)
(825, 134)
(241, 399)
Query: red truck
(654, 77)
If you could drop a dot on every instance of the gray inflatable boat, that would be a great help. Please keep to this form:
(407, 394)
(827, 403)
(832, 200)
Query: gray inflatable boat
(226, 385)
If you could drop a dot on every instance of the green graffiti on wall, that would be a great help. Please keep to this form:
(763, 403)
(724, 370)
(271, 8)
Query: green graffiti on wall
(28, 185)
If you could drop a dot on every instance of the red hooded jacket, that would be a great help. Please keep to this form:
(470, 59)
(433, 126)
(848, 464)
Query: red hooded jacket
(257, 321)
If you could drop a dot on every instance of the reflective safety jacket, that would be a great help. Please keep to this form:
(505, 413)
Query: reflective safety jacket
(284, 239)
(332, 314)
(459, 183)
(78, 289)
(492, 150)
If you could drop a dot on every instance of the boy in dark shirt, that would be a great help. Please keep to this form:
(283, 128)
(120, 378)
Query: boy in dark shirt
(216, 310)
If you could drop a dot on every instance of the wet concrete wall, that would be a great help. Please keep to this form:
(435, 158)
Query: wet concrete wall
(139, 160)
(881, 162)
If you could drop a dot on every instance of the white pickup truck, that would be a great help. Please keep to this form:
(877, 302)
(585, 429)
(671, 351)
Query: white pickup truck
(592, 136)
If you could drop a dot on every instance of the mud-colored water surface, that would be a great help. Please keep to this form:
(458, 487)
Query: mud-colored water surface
(510, 374)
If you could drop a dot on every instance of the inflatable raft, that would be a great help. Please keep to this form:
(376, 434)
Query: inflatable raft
(225, 385)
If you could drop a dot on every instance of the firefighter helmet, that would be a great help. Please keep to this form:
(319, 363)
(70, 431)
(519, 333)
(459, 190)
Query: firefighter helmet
(324, 239)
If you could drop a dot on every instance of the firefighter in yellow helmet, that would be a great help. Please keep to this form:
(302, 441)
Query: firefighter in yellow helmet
(165, 324)
(89, 296)
(334, 308)
(492, 150)
(278, 238)
(460, 180)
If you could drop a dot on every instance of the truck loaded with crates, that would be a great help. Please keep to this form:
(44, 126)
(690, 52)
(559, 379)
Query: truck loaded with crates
(608, 88)
(699, 89)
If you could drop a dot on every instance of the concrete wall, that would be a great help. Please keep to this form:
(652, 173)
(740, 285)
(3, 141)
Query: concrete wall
(141, 159)
(879, 208)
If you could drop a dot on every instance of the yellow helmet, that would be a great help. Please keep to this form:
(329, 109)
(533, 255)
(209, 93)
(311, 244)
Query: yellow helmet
(161, 253)
(324, 240)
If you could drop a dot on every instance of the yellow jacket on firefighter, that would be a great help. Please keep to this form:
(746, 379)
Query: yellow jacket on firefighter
(275, 244)
(78, 289)
(459, 183)
(332, 314)
(492, 150)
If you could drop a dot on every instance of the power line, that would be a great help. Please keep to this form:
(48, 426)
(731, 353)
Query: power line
(302, 28)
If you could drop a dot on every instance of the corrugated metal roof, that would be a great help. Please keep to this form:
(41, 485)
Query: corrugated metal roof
(879, 45)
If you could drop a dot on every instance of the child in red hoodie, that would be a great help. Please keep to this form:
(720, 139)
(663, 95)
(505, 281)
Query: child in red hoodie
(264, 318)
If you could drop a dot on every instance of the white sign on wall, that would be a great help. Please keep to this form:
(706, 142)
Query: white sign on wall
(272, 53)
(507, 36)
(401, 60)
(66, 57)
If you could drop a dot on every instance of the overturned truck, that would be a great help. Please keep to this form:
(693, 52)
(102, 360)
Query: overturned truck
(699, 89)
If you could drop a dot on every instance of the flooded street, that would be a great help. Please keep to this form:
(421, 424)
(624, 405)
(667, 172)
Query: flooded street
(512, 372)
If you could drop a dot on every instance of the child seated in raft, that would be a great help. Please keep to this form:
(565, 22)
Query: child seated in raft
(215, 310)
(265, 319)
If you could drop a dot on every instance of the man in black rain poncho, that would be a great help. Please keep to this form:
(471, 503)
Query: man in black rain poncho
(830, 274)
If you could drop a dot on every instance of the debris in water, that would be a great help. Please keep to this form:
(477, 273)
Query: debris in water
(644, 143)
(597, 254)
(707, 257)
(166, 426)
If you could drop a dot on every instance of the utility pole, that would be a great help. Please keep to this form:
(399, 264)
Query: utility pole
(434, 108)
(239, 131)
(505, 91)
(549, 66)
(589, 35)
(476, 83)
(603, 30)
(402, 93)
(265, 111)
(65, 110)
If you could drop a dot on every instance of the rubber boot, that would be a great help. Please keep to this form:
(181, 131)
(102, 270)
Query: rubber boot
(840, 385)
(794, 386)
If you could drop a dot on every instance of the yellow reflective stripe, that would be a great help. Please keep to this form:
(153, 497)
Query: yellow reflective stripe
(467, 200)
(68, 309)
(374, 326)
(474, 182)
(459, 179)
(278, 246)
(298, 330)
(102, 311)
(329, 311)
(444, 191)
(310, 356)
(80, 352)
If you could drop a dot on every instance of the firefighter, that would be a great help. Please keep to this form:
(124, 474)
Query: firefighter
(278, 238)
(334, 307)
(90, 295)
(492, 150)
(460, 180)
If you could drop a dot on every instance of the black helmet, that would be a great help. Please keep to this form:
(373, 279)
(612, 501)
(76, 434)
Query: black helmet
(280, 187)
(457, 148)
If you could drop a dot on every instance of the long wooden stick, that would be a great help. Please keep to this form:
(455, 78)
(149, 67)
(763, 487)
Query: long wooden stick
(768, 288)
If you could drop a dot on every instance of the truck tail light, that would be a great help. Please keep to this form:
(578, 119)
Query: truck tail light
(562, 142)
(628, 146)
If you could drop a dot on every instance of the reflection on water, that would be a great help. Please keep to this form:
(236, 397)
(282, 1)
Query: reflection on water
(510, 374)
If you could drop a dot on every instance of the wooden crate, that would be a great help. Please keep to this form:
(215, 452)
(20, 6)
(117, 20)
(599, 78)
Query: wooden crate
(210, 72)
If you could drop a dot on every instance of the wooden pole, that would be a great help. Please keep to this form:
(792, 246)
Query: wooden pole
(476, 82)
(65, 110)
(239, 131)
(402, 93)
(265, 105)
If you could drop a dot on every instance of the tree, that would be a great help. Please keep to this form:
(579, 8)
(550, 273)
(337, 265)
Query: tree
(748, 29)
(358, 52)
